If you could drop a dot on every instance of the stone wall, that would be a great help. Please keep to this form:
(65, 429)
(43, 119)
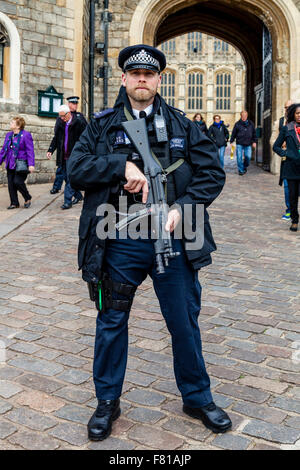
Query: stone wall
(122, 11)
(46, 30)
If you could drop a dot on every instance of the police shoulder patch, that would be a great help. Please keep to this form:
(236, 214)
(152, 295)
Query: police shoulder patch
(103, 113)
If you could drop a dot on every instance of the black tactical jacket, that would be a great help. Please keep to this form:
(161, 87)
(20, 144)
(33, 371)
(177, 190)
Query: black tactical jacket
(95, 168)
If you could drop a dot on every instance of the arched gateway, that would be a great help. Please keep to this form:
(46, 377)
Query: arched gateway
(267, 34)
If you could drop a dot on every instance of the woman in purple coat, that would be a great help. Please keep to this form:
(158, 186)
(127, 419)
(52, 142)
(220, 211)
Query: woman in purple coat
(18, 145)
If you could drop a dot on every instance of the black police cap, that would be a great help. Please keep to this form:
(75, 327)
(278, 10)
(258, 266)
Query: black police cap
(142, 56)
(73, 99)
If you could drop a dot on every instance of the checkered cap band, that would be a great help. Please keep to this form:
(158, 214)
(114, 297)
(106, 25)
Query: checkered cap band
(142, 57)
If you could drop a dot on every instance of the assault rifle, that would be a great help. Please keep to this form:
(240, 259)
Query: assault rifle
(156, 205)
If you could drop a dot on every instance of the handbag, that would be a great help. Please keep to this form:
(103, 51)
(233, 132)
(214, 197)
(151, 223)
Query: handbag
(21, 166)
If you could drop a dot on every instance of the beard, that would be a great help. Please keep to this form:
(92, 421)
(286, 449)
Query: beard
(141, 95)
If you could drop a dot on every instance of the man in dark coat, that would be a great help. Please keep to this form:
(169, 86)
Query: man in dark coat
(67, 132)
(219, 134)
(59, 175)
(104, 163)
(245, 135)
(284, 181)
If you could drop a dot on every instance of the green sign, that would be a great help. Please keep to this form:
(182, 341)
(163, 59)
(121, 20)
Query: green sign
(49, 101)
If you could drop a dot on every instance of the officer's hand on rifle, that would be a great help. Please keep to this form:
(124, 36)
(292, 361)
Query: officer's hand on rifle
(173, 219)
(136, 181)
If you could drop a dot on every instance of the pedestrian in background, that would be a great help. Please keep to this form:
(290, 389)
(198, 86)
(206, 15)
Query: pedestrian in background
(18, 154)
(245, 136)
(68, 130)
(219, 134)
(59, 175)
(290, 135)
(198, 119)
(283, 122)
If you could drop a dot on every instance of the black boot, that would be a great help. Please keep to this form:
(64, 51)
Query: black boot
(99, 426)
(213, 417)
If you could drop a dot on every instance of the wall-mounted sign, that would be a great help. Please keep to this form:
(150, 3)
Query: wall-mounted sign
(49, 101)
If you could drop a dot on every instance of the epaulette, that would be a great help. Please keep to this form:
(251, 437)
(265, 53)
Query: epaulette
(103, 113)
(178, 110)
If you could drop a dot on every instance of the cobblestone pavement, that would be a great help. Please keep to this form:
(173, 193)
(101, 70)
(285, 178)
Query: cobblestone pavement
(249, 323)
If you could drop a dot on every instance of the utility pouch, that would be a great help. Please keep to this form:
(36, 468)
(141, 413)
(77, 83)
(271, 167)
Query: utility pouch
(105, 294)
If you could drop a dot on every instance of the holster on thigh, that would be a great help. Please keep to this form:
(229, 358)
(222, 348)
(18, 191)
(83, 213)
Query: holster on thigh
(106, 294)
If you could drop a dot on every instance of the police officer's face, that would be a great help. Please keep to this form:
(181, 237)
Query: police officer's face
(141, 84)
(73, 106)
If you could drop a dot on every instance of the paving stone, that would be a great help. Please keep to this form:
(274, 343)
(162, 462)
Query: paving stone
(138, 378)
(6, 429)
(8, 389)
(155, 335)
(157, 370)
(145, 415)
(23, 347)
(218, 361)
(74, 413)
(144, 397)
(152, 345)
(284, 364)
(31, 419)
(272, 432)
(293, 421)
(39, 401)
(28, 336)
(75, 434)
(112, 443)
(39, 383)
(264, 447)
(72, 361)
(74, 376)
(155, 438)
(74, 394)
(61, 345)
(265, 384)
(231, 442)
(222, 400)
(248, 356)
(37, 365)
(243, 392)
(215, 348)
(265, 413)
(239, 344)
(9, 372)
(273, 351)
(160, 358)
(168, 386)
(287, 404)
(223, 372)
(192, 429)
(33, 441)
(4, 406)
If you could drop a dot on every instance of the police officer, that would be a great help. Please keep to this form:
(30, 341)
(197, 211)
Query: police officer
(73, 105)
(104, 163)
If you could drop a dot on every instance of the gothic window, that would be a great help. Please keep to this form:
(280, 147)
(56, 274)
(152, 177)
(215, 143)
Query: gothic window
(169, 48)
(223, 100)
(220, 46)
(195, 91)
(167, 89)
(10, 63)
(4, 41)
(194, 43)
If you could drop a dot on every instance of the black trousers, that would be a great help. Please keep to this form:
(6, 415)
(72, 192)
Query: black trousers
(294, 197)
(16, 182)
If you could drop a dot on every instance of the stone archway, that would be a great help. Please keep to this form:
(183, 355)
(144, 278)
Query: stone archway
(242, 25)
